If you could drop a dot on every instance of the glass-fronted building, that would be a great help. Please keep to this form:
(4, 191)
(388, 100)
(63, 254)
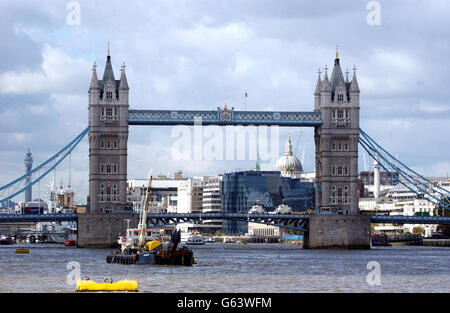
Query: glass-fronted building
(241, 190)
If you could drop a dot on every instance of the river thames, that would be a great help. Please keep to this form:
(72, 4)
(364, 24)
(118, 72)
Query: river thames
(226, 267)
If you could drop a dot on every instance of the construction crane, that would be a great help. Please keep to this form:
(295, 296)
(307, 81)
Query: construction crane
(298, 143)
(143, 217)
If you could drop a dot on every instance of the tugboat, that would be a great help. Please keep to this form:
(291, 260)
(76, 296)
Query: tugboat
(140, 247)
(129, 243)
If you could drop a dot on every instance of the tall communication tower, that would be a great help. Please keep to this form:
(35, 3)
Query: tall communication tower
(28, 166)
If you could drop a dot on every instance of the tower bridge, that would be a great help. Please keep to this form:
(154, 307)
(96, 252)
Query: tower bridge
(335, 118)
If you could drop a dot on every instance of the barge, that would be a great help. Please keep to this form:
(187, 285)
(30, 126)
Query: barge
(140, 246)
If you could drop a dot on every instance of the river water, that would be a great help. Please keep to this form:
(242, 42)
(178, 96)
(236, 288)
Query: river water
(226, 267)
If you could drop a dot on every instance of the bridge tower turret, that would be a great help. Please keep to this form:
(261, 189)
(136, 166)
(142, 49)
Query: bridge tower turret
(336, 142)
(108, 137)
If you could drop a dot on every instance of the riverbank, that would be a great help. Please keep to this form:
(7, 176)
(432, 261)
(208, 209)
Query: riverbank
(436, 242)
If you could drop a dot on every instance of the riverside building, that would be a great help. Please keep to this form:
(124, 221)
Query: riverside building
(242, 190)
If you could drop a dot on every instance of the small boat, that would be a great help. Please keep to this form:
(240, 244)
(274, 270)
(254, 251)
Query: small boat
(4, 240)
(210, 239)
(70, 243)
(227, 239)
(107, 285)
(21, 250)
(195, 240)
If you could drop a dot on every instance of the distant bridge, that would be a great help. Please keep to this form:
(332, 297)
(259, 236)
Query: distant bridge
(59, 217)
(400, 219)
(291, 221)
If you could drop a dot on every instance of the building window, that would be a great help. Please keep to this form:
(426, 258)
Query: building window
(115, 144)
(346, 146)
(345, 170)
(346, 114)
(339, 171)
(340, 98)
(340, 114)
(108, 169)
(109, 95)
(333, 170)
(333, 188)
(108, 111)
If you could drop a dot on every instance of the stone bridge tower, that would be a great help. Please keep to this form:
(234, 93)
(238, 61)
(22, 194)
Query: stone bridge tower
(108, 137)
(336, 142)
(337, 99)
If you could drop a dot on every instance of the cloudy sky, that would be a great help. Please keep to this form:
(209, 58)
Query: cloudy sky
(202, 54)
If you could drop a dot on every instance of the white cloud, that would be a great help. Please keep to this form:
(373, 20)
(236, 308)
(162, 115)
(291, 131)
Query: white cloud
(58, 73)
(389, 72)
(214, 37)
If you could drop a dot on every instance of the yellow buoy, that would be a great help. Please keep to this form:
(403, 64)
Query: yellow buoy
(122, 285)
(21, 250)
(195, 261)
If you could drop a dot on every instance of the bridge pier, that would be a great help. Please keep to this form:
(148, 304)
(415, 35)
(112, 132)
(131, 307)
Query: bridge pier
(101, 230)
(337, 232)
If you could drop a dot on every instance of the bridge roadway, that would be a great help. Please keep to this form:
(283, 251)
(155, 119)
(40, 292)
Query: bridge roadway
(293, 221)
(218, 117)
